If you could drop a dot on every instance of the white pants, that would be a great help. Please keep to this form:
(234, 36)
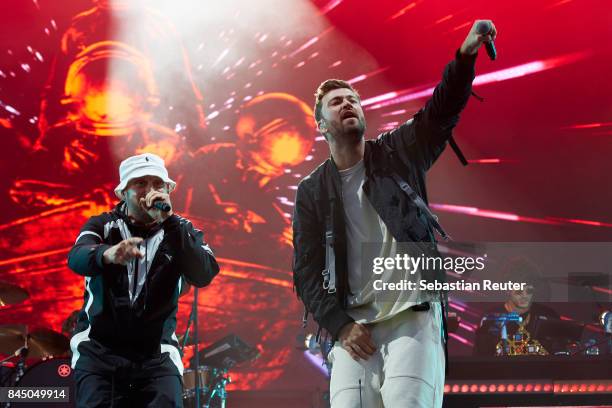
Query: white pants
(405, 371)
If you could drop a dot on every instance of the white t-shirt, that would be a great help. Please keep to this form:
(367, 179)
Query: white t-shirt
(363, 225)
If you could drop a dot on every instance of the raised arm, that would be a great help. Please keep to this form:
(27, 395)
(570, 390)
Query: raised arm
(423, 138)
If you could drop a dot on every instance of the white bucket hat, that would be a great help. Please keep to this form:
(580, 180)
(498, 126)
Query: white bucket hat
(147, 164)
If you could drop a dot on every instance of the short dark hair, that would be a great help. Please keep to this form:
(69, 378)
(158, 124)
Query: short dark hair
(325, 88)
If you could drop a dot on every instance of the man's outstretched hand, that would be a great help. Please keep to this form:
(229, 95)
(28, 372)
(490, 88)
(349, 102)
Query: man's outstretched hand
(356, 339)
(474, 40)
(123, 252)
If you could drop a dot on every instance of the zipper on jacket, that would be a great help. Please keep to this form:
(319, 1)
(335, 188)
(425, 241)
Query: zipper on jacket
(135, 283)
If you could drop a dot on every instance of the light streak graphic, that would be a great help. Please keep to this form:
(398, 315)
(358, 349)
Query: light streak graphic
(403, 10)
(457, 307)
(462, 26)
(484, 161)
(589, 125)
(221, 56)
(396, 112)
(500, 215)
(518, 71)
(443, 19)
(363, 77)
(330, 6)
(602, 290)
(491, 161)
(311, 42)
(461, 339)
(468, 327)
(379, 98)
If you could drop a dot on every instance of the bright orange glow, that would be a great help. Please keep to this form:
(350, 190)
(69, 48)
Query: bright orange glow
(213, 148)
(256, 277)
(270, 144)
(110, 107)
(109, 88)
(244, 218)
(85, 206)
(287, 236)
(36, 193)
(287, 149)
(77, 156)
(164, 149)
(33, 256)
(228, 261)
(108, 104)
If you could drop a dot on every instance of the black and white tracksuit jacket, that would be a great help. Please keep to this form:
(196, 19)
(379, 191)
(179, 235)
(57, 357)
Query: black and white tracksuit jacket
(129, 312)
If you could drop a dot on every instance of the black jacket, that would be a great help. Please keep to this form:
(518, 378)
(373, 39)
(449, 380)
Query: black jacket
(409, 151)
(136, 327)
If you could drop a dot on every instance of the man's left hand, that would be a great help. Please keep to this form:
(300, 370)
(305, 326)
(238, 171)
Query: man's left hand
(147, 203)
(473, 41)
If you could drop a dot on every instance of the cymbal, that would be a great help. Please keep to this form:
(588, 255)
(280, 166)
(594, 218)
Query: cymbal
(11, 294)
(41, 342)
(12, 337)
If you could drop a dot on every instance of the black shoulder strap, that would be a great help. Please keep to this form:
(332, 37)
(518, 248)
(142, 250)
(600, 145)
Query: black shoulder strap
(403, 184)
(329, 273)
(453, 144)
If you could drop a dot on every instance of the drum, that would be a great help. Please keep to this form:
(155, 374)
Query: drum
(189, 379)
(53, 372)
(212, 387)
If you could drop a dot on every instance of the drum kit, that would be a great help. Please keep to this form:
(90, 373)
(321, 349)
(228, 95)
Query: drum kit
(21, 343)
(51, 367)
(210, 373)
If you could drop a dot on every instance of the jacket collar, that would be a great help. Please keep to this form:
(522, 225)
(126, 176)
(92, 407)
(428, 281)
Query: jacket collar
(331, 173)
(367, 159)
(145, 232)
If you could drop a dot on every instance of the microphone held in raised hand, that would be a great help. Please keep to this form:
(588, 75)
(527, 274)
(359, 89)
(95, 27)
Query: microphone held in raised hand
(162, 206)
(484, 28)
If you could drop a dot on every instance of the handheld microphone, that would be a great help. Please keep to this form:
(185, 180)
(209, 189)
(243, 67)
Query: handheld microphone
(484, 28)
(160, 205)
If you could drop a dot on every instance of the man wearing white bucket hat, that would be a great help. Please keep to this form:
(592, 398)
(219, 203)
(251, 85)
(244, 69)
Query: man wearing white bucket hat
(135, 259)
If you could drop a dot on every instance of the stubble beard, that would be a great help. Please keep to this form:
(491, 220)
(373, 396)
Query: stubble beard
(136, 213)
(351, 135)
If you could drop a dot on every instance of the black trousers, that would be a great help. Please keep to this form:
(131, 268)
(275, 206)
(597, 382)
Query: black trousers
(120, 390)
